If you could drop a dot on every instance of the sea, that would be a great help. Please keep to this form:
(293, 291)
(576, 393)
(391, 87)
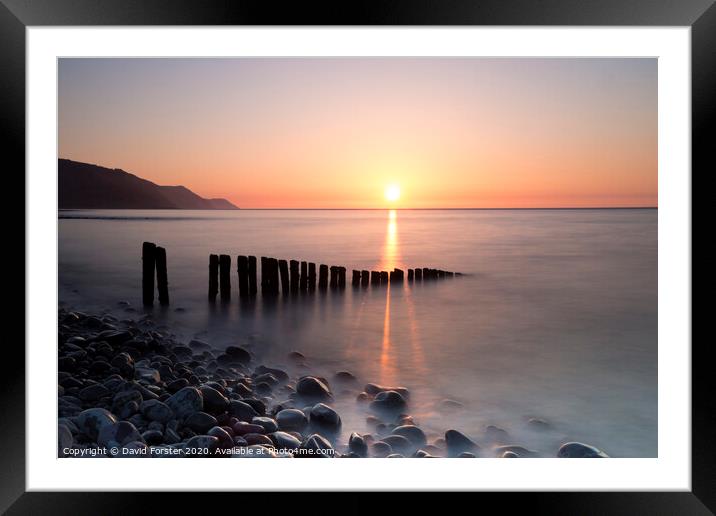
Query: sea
(554, 316)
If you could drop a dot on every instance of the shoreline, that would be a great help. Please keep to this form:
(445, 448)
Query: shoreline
(127, 388)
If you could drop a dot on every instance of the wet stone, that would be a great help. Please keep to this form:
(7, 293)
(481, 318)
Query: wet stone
(155, 410)
(186, 401)
(311, 387)
(241, 410)
(324, 417)
(576, 450)
(91, 421)
(291, 419)
(268, 424)
(200, 422)
(357, 445)
(457, 443)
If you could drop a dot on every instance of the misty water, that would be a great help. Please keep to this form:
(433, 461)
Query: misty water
(555, 318)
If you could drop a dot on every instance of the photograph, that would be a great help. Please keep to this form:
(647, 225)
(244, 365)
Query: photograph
(357, 257)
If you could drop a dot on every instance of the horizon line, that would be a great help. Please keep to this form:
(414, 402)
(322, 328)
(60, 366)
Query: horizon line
(381, 209)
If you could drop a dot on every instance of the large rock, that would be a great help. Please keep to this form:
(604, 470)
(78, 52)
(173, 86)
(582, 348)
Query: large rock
(155, 410)
(291, 419)
(242, 410)
(322, 417)
(118, 434)
(91, 421)
(238, 355)
(124, 364)
(200, 422)
(399, 443)
(214, 402)
(177, 385)
(225, 439)
(268, 424)
(388, 402)
(357, 445)
(458, 442)
(310, 387)
(375, 389)
(575, 450)
(94, 392)
(186, 401)
(256, 404)
(380, 449)
(280, 375)
(414, 434)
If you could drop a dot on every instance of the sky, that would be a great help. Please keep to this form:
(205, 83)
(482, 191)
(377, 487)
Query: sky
(339, 132)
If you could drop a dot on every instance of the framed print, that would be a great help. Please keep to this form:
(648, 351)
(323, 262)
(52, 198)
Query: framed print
(385, 234)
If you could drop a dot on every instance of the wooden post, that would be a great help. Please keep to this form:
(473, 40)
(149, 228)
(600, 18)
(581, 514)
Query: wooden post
(364, 278)
(148, 261)
(225, 277)
(213, 276)
(399, 275)
(441, 274)
(264, 276)
(273, 277)
(410, 274)
(418, 274)
(426, 273)
(293, 268)
(374, 277)
(356, 278)
(334, 276)
(303, 283)
(383, 277)
(252, 276)
(283, 269)
(162, 281)
(341, 277)
(311, 276)
(323, 277)
(242, 269)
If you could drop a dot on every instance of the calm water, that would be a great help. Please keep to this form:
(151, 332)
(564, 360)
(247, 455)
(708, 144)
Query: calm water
(557, 318)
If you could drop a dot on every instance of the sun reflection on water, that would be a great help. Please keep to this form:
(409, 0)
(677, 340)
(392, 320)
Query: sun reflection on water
(390, 259)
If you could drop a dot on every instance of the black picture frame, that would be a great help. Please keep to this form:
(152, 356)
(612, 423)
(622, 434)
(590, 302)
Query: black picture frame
(17, 15)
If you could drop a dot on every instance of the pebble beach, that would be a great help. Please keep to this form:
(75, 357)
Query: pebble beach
(129, 388)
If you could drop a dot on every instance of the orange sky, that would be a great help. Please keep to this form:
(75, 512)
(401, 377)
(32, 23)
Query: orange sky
(332, 133)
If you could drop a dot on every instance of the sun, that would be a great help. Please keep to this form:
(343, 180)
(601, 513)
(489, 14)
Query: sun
(392, 193)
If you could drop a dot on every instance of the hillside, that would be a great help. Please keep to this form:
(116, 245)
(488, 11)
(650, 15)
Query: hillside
(86, 186)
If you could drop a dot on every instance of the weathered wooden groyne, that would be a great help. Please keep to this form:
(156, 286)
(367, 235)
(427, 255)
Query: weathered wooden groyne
(154, 259)
(291, 277)
(287, 277)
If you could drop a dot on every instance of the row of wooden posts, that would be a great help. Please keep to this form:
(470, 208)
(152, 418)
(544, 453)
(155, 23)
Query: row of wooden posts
(293, 276)
(276, 275)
